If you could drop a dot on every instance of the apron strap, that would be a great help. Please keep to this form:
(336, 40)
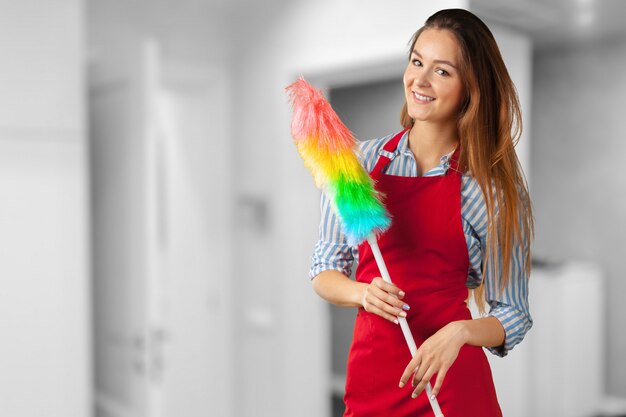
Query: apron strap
(387, 154)
(454, 159)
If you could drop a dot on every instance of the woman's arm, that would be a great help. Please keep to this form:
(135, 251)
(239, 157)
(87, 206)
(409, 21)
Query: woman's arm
(486, 331)
(336, 288)
(511, 307)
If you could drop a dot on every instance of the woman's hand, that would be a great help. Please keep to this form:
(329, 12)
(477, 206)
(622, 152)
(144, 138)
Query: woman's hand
(384, 299)
(435, 356)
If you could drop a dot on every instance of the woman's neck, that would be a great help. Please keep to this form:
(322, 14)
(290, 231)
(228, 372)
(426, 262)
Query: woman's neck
(430, 142)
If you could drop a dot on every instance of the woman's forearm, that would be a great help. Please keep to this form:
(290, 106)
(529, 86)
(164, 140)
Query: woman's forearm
(336, 288)
(486, 331)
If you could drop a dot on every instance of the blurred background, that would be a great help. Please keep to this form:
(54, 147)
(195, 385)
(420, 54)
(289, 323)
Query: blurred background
(156, 222)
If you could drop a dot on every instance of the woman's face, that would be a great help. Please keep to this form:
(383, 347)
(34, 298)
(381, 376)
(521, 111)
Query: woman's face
(432, 83)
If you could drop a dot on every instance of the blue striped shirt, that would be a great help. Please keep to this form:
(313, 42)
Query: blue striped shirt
(511, 308)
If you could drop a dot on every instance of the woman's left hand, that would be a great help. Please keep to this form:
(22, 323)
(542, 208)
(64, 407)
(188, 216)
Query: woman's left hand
(435, 356)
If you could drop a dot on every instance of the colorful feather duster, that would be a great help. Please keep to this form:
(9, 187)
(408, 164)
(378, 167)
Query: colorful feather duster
(328, 150)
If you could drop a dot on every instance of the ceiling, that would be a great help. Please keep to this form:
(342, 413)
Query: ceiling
(557, 22)
(549, 23)
(178, 24)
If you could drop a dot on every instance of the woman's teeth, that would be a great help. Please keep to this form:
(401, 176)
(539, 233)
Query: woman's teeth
(423, 98)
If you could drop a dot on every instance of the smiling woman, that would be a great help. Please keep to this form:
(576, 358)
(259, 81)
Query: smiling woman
(445, 178)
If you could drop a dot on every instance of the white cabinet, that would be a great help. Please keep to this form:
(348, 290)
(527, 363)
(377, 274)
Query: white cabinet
(558, 370)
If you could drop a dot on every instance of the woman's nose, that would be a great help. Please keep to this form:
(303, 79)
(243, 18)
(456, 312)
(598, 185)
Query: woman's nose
(422, 80)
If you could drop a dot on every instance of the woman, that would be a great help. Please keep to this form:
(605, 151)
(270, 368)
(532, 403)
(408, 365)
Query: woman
(461, 220)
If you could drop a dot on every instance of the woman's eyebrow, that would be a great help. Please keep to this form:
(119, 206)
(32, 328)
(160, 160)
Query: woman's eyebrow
(438, 61)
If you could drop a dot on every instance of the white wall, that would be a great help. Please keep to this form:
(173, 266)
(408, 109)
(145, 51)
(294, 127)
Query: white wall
(370, 110)
(579, 184)
(284, 355)
(44, 246)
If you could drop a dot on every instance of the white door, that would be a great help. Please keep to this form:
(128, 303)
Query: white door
(197, 195)
(125, 229)
(162, 211)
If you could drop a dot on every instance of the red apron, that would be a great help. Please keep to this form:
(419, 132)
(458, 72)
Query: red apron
(426, 254)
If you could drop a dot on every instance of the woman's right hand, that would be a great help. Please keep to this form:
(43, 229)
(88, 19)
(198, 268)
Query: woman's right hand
(384, 299)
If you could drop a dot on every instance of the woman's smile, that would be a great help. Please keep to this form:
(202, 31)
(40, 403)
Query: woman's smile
(422, 98)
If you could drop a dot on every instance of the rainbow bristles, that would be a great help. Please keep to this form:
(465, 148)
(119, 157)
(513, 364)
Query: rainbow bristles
(328, 150)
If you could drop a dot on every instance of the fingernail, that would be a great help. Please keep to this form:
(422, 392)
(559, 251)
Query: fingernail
(414, 395)
(402, 314)
(395, 321)
(432, 397)
(401, 384)
(401, 293)
(406, 307)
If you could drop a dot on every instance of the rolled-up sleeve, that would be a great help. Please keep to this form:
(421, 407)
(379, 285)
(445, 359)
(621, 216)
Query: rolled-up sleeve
(331, 250)
(511, 307)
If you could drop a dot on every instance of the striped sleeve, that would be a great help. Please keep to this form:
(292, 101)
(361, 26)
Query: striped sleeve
(511, 308)
(332, 251)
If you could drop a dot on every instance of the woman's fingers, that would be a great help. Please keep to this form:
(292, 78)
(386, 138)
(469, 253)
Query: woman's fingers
(440, 376)
(375, 297)
(393, 305)
(412, 367)
(393, 294)
(420, 373)
(425, 379)
(387, 287)
(375, 310)
(383, 299)
(420, 382)
(377, 306)
(426, 363)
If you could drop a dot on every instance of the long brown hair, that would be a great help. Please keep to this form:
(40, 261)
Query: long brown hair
(489, 126)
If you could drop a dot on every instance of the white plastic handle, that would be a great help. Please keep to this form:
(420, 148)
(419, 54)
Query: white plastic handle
(371, 239)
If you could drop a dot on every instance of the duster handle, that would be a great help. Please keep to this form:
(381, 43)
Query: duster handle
(371, 239)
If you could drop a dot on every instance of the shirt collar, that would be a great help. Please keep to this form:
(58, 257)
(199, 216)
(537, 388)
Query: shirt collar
(403, 149)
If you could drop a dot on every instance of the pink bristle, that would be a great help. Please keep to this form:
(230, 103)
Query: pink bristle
(314, 117)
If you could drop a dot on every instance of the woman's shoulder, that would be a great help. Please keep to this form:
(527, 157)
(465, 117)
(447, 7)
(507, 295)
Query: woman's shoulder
(471, 189)
(368, 150)
(472, 196)
(468, 182)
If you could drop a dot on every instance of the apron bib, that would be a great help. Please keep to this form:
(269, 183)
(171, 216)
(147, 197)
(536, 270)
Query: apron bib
(426, 254)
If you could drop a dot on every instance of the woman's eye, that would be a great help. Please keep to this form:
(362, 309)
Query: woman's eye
(416, 62)
(442, 72)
